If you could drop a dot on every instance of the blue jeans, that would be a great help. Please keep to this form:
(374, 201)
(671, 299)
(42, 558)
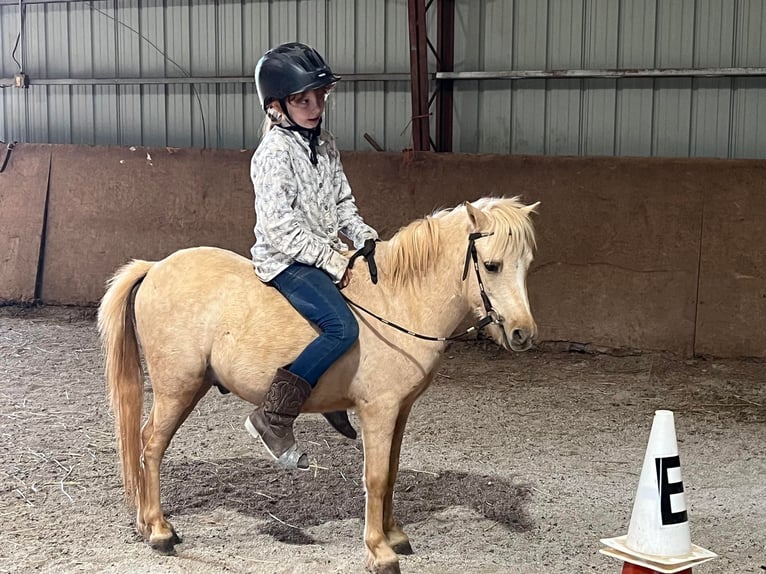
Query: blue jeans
(313, 294)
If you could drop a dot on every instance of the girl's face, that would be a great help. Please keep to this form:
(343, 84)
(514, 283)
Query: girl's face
(306, 108)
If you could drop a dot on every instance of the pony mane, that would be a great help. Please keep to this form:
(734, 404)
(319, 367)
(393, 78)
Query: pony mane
(413, 250)
(415, 247)
(511, 226)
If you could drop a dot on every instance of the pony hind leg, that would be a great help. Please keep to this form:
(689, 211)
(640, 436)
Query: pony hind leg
(167, 414)
(146, 434)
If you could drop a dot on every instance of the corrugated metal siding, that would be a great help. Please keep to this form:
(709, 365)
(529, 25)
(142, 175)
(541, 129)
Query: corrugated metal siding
(721, 117)
(600, 40)
(749, 136)
(715, 117)
(154, 39)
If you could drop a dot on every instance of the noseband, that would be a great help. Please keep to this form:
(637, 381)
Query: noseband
(491, 317)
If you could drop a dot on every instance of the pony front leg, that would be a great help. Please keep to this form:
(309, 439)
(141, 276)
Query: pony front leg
(378, 429)
(397, 539)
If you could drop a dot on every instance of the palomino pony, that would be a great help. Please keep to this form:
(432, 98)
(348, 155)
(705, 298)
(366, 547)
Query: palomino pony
(202, 317)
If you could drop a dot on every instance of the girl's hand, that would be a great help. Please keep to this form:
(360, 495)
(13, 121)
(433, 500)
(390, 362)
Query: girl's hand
(345, 280)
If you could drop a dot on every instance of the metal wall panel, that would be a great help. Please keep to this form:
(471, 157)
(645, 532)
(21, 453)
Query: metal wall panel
(721, 117)
(494, 104)
(369, 51)
(105, 115)
(397, 101)
(672, 102)
(749, 106)
(635, 97)
(565, 51)
(32, 119)
(530, 52)
(601, 24)
(340, 51)
(36, 115)
(712, 97)
(104, 34)
(8, 30)
(637, 116)
(183, 103)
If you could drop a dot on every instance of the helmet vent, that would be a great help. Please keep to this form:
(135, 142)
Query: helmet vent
(314, 62)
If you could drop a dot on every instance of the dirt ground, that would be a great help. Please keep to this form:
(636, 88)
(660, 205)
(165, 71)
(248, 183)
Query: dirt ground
(512, 463)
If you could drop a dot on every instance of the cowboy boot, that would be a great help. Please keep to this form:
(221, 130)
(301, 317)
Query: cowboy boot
(339, 421)
(272, 422)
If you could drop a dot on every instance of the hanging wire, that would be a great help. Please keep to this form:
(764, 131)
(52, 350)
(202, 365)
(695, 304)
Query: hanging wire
(19, 40)
(13, 54)
(16, 47)
(169, 59)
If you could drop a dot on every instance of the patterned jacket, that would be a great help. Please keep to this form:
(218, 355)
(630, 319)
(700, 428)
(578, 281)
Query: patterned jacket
(300, 207)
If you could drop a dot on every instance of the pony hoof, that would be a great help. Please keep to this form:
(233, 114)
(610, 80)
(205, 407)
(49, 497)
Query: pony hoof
(164, 547)
(177, 539)
(379, 567)
(391, 568)
(403, 547)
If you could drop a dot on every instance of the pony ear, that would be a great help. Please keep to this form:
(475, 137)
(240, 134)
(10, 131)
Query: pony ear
(531, 208)
(478, 218)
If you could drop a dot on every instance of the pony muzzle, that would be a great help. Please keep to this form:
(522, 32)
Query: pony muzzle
(521, 339)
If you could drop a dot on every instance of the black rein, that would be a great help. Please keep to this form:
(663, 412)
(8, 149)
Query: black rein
(489, 318)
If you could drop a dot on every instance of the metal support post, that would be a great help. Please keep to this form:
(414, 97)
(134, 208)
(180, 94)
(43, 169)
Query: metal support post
(419, 75)
(445, 61)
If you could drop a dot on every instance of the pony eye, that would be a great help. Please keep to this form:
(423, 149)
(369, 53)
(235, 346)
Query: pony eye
(491, 267)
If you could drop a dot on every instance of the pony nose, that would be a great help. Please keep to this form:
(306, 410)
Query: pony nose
(521, 338)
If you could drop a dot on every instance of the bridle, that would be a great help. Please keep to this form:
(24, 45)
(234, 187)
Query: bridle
(491, 317)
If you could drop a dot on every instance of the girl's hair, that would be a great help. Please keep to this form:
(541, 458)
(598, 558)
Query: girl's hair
(273, 118)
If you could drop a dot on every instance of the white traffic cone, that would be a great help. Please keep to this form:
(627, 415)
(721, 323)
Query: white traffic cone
(658, 536)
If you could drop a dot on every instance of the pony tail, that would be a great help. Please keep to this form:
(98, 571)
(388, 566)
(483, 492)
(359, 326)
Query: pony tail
(124, 376)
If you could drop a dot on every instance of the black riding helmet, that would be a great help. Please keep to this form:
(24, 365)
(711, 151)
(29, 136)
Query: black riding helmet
(290, 69)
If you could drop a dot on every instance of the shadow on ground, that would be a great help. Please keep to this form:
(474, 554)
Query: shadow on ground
(254, 487)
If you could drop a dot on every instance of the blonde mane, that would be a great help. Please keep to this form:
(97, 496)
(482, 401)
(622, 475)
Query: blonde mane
(414, 249)
(511, 226)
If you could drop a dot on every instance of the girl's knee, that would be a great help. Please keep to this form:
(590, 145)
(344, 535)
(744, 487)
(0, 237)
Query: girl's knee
(351, 329)
(347, 331)
(344, 329)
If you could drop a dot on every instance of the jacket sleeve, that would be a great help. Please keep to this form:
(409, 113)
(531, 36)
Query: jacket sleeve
(351, 223)
(275, 192)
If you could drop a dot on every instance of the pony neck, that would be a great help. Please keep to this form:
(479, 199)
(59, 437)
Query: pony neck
(432, 300)
(441, 290)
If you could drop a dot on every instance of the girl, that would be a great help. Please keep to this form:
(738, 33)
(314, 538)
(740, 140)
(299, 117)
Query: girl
(302, 201)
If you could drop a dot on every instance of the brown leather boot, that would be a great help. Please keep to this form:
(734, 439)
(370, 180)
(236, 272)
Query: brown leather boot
(272, 422)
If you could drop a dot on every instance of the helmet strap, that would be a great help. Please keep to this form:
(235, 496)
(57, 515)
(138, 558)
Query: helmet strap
(285, 111)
